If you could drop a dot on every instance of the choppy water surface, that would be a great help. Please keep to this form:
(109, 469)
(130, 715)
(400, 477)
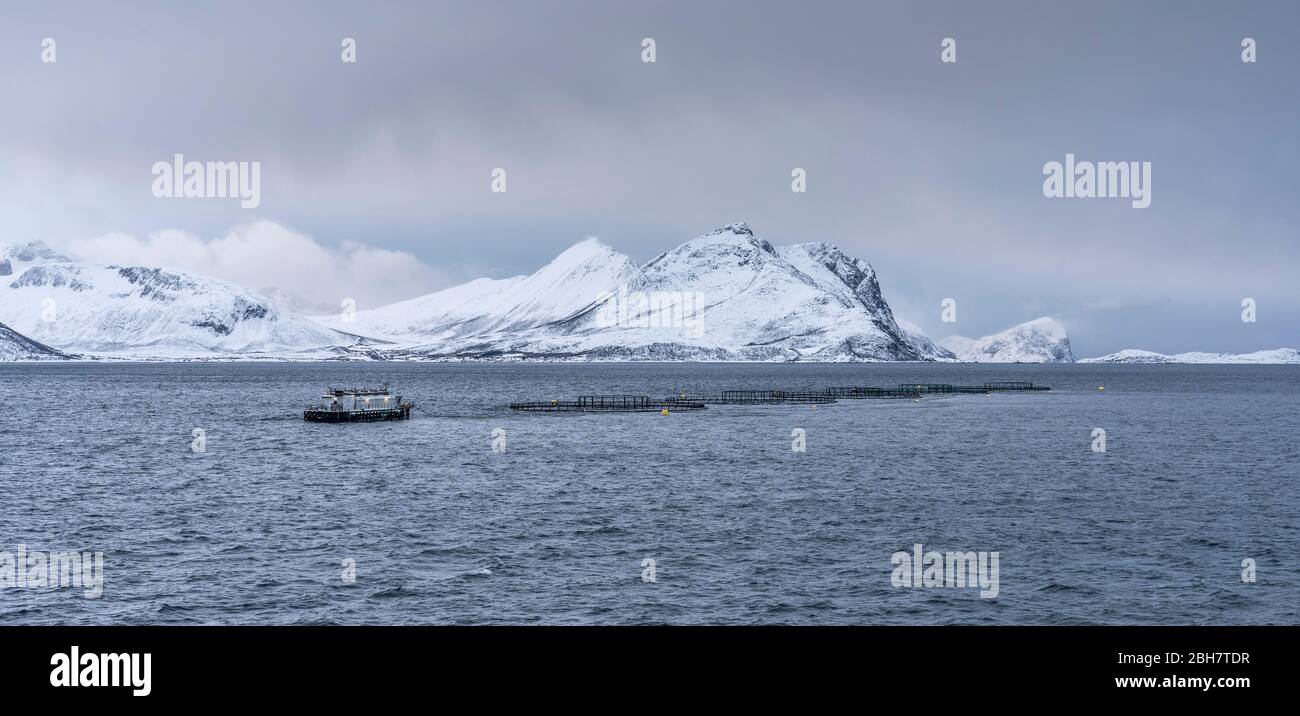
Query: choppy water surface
(1200, 472)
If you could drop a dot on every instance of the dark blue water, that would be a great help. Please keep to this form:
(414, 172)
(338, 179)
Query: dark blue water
(1200, 472)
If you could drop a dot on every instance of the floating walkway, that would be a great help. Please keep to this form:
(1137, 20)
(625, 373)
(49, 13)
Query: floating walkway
(606, 404)
(871, 393)
(942, 388)
(1012, 385)
(755, 397)
(698, 401)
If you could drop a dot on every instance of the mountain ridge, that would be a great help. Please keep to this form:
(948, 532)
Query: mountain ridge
(730, 295)
(1274, 356)
(134, 312)
(14, 347)
(1042, 340)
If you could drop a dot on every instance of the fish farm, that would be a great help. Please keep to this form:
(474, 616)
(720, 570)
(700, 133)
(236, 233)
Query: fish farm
(869, 393)
(349, 405)
(606, 404)
(699, 401)
(1013, 385)
(942, 388)
(754, 397)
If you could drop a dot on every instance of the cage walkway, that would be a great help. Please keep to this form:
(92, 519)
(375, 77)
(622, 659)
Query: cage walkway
(942, 388)
(605, 404)
(1013, 385)
(873, 393)
(699, 401)
(754, 397)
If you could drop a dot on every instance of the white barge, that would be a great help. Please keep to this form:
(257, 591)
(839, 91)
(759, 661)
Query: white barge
(352, 405)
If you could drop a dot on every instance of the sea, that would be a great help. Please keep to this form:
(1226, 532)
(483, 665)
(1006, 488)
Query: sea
(1128, 494)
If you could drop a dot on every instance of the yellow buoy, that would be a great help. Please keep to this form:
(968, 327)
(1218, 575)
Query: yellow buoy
(664, 411)
(1101, 387)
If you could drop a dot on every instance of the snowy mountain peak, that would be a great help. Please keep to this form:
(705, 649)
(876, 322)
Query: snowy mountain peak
(16, 258)
(589, 255)
(583, 251)
(729, 295)
(1045, 326)
(726, 295)
(1042, 340)
(739, 228)
(729, 238)
(571, 282)
(33, 251)
(135, 311)
(855, 272)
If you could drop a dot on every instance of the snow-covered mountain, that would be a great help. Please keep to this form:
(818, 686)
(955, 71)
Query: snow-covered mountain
(141, 312)
(487, 306)
(918, 338)
(15, 346)
(16, 258)
(727, 295)
(1274, 356)
(1038, 341)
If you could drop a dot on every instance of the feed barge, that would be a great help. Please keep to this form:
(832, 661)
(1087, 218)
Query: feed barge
(358, 405)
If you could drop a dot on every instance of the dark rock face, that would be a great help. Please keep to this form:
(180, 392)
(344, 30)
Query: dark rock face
(15, 346)
(52, 276)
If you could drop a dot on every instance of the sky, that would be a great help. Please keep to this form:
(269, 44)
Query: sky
(932, 171)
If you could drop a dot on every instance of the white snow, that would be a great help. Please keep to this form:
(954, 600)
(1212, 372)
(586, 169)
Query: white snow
(919, 338)
(14, 347)
(1042, 340)
(138, 312)
(758, 302)
(573, 281)
(16, 258)
(1273, 356)
(730, 295)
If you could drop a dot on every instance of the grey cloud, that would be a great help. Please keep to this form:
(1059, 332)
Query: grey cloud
(931, 172)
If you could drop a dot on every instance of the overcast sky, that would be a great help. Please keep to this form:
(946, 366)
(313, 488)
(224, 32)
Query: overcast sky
(930, 171)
